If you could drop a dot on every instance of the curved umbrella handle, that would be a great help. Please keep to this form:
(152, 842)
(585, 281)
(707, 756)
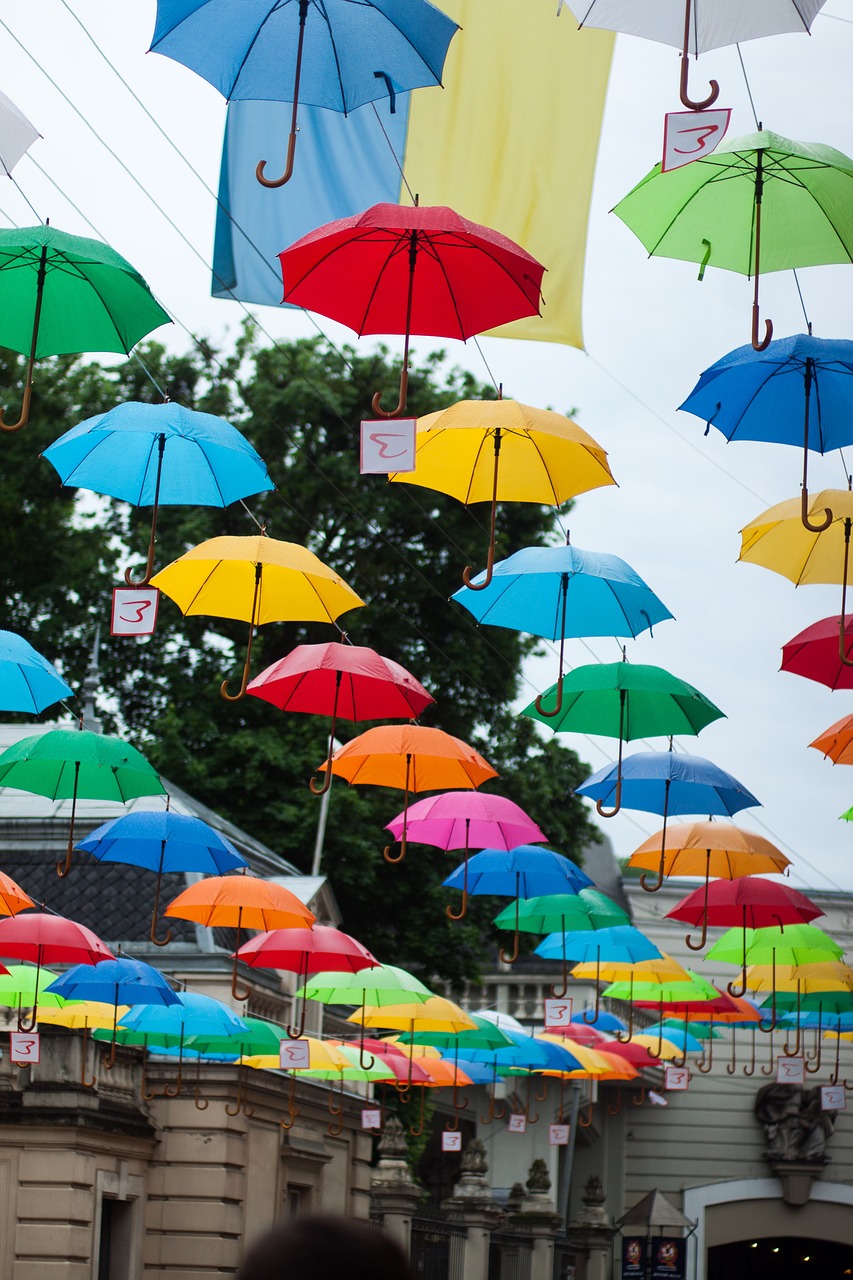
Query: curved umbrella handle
(558, 705)
(469, 571)
(25, 407)
(376, 402)
(635, 1102)
(152, 541)
(463, 910)
(387, 854)
(260, 167)
(697, 946)
(586, 1121)
(760, 344)
(172, 1091)
(236, 992)
(490, 559)
(158, 942)
(816, 528)
(291, 142)
(658, 884)
(511, 959)
(143, 1090)
(599, 807)
(597, 1006)
(89, 1084)
(320, 790)
(241, 693)
(707, 1061)
(685, 96)
(296, 1033)
(614, 1111)
(28, 387)
(201, 1103)
(292, 1111)
(64, 865)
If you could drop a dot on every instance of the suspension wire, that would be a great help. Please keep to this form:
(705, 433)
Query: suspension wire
(748, 89)
(802, 302)
(405, 180)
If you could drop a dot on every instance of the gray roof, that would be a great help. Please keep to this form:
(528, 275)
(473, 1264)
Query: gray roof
(655, 1210)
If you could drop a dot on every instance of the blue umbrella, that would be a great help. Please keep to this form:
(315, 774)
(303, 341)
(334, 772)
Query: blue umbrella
(115, 982)
(28, 682)
(193, 1015)
(154, 455)
(163, 841)
(602, 1021)
(353, 53)
(798, 391)
(622, 943)
(556, 592)
(527, 871)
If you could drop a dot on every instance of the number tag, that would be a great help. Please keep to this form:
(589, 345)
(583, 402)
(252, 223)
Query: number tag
(24, 1047)
(517, 1122)
(558, 1135)
(692, 135)
(371, 1118)
(676, 1078)
(833, 1097)
(294, 1055)
(388, 445)
(134, 611)
(451, 1141)
(558, 1013)
(790, 1071)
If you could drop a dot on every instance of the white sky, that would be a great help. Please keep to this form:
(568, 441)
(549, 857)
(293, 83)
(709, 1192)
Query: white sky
(650, 330)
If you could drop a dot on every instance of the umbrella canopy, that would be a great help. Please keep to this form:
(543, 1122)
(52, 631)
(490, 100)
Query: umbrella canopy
(706, 849)
(377, 985)
(665, 782)
(793, 944)
(341, 680)
(617, 943)
(761, 202)
(500, 450)
(798, 390)
(321, 52)
(435, 1014)
(12, 897)
(836, 742)
(18, 988)
(423, 270)
(123, 981)
(749, 900)
(467, 820)
(822, 652)
(154, 455)
(43, 938)
(28, 682)
(17, 135)
(72, 764)
(191, 1014)
(589, 909)
(62, 294)
(257, 580)
(162, 842)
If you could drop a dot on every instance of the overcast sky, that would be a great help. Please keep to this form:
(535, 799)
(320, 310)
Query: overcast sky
(650, 330)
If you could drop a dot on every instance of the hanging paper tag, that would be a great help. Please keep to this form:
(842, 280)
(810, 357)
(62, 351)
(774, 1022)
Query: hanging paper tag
(833, 1097)
(371, 1118)
(388, 445)
(294, 1055)
(790, 1071)
(451, 1140)
(24, 1047)
(134, 611)
(692, 135)
(676, 1078)
(558, 1013)
(517, 1122)
(558, 1135)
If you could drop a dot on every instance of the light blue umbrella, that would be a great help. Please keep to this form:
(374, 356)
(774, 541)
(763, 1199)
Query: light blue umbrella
(153, 455)
(28, 682)
(325, 53)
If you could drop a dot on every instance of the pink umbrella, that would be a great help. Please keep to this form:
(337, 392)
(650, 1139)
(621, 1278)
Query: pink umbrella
(466, 820)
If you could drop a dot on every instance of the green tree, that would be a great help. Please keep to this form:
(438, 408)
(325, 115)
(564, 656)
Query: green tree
(400, 547)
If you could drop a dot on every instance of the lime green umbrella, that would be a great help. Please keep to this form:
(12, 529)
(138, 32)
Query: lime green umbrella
(72, 764)
(61, 293)
(21, 986)
(623, 700)
(381, 985)
(795, 944)
(711, 211)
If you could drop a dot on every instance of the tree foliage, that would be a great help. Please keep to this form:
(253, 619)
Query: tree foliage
(402, 548)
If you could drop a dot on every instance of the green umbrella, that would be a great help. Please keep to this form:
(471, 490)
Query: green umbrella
(20, 987)
(67, 764)
(795, 944)
(61, 294)
(384, 984)
(623, 700)
(711, 211)
(586, 910)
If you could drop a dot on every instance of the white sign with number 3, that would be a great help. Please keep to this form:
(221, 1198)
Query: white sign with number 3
(692, 135)
(24, 1047)
(558, 1013)
(676, 1078)
(451, 1141)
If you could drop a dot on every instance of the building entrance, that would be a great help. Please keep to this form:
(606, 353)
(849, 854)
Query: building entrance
(782, 1258)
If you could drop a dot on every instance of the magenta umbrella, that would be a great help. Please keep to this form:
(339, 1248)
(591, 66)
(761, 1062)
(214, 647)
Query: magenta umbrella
(467, 820)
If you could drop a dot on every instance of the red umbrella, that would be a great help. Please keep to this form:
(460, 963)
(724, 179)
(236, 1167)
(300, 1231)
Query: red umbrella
(814, 653)
(304, 951)
(346, 680)
(46, 939)
(422, 270)
(751, 902)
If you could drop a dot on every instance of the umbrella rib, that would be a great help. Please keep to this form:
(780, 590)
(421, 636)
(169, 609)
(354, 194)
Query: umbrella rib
(254, 40)
(529, 437)
(321, 7)
(399, 245)
(487, 435)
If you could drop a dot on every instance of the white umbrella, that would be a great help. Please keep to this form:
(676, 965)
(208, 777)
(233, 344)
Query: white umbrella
(17, 135)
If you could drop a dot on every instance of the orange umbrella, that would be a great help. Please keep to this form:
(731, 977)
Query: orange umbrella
(240, 902)
(12, 897)
(837, 741)
(411, 758)
(706, 849)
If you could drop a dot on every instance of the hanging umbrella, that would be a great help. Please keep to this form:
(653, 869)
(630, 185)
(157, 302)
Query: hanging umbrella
(424, 270)
(749, 901)
(72, 764)
(169, 1026)
(257, 53)
(17, 135)
(836, 742)
(410, 758)
(462, 1044)
(18, 988)
(623, 700)
(787, 943)
(116, 982)
(665, 783)
(42, 939)
(823, 652)
(614, 944)
(523, 872)
(466, 819)
(778, 540)
(256, 580)
(28, 682)
(547, 459)
(319, 949)
(588, 910)
(346, 680)
(710, 211)
(63, 294)
(259, 1037)
(706, 849)
(798, 391)
(383, 984)
(434, 1014)
(162, 842)
(154, 455)
(12, 897)
(240, 902)
(697, 28)
(530, 592)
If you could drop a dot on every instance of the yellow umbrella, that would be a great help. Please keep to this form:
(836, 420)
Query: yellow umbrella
(256, 580)
(826, 975)
(665, 1049)
(435, 1014)
(664, 970)
(546, 458)
(819, 553)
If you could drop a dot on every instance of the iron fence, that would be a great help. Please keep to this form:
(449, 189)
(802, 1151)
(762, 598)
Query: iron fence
(565, 1260)
(437, 1247)
(510, 1255)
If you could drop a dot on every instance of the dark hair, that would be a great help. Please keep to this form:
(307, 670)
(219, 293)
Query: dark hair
(324, 1245)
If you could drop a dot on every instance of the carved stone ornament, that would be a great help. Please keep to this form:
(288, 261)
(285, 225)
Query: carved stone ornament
(795, 1126)
(593, 1192)
(538, 1177)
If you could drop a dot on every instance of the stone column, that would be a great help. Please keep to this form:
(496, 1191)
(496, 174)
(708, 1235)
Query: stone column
(537, 1216)
(393, 1191)
(472, 1203)
(592, 1232)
